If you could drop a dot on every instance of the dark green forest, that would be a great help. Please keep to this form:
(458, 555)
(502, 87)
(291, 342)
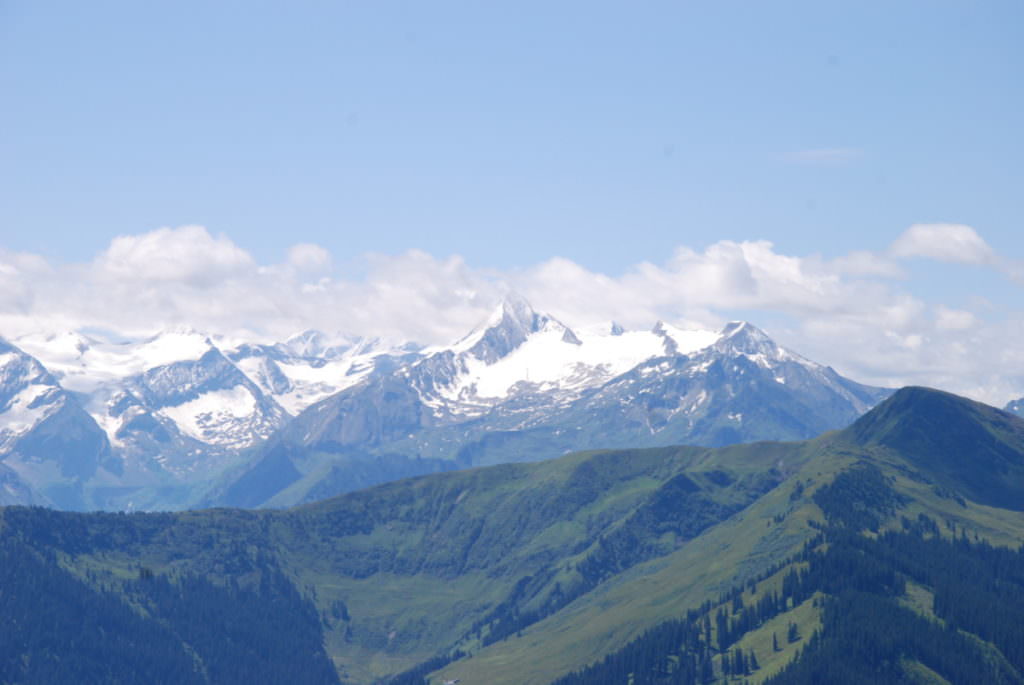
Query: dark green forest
(57, 628)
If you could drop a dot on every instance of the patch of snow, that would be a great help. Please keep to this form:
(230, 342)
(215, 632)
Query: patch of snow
(109, 424)
(701, 367)
(20, 416)
(699, 400)
(206, 417)
(332, 373)
(308, 383)
(547, 361)
(311, 378)
(759, 359)
(688, 341)
(313, 343)
(84, 364)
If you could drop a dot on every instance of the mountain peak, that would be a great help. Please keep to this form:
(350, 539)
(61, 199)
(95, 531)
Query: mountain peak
(911, 405)
(513, 310)
(1015, 407)
(508, 327)
(742, 333)
(965, 445)
(662, 329)
(313, 343)
(15, 356)
(306, 343)
(744, 338)
(516, 306)
(910, 408)
(183, 330)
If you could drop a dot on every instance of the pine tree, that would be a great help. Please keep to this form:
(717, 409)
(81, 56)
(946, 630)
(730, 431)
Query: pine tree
(793, 634)
(775, 643)
(707, 670)
(739, 662)
(722, 628)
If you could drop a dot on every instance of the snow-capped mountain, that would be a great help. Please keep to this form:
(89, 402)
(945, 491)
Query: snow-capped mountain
(310, 366)
(518, 351)
(45, 436)
(1015, 407)
(525, 386)
(171, 409)
(518, 362)
(742, 387)
(173, 398)
(183, 417)
(28, 394)
(183, 392)
(208, 400)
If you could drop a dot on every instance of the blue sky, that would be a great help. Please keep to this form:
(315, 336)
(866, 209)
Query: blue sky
(502, 135)
(607, 133)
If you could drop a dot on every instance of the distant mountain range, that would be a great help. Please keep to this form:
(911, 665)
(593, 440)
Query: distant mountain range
(183, 419)
(885, 552)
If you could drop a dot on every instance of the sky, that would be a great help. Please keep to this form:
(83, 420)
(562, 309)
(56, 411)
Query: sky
(845, 175)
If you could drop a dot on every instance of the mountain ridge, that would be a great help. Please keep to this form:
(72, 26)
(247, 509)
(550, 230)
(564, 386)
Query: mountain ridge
(924, 422)
(193, 419)
(708, 388)
(537, 569)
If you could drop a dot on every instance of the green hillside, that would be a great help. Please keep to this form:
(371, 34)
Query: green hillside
(889, 606)
(525, 573)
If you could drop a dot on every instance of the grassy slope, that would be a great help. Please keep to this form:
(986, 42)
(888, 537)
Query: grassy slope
(805, 616)
(739, 547)
(527, 519)
(417, 562)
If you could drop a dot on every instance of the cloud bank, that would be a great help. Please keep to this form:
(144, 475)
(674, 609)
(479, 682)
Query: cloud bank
(856, 312)
(954, 243)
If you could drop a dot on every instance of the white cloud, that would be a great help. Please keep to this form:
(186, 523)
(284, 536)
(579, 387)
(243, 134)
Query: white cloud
(944, 242)
(309, 257)
(864, 263)
(854, 312)
(948, 319)
(183, 254)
